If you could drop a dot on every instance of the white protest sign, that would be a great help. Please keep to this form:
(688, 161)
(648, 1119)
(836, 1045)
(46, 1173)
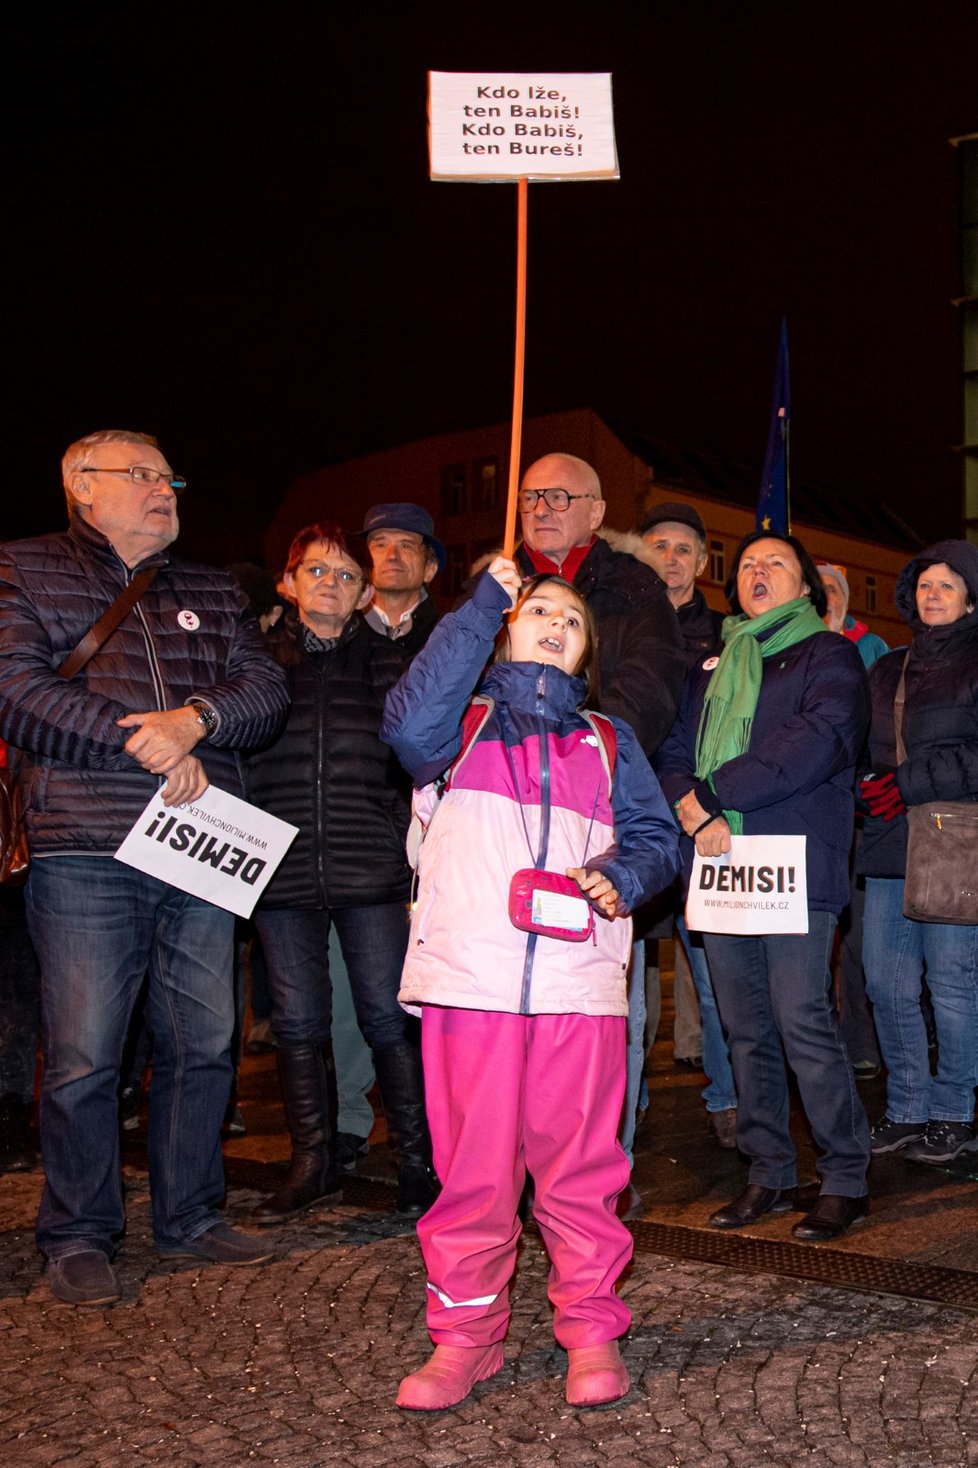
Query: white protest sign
(219, 848)
(759, 886)
(498, 126)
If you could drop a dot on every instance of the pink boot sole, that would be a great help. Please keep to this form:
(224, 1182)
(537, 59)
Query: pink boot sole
(448, 1376)
(596, 1375)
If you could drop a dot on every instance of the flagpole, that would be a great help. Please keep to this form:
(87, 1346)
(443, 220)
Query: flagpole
(773, 514)
(787, 472)
(509, 539)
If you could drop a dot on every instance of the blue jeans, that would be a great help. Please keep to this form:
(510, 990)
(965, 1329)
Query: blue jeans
(774, 990)
(296, 943)
(896, 953)
(721, 1093)
(354, 1062)
(99, 929)
(634, 1050)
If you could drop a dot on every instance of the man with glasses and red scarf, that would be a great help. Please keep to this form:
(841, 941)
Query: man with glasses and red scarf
(642, 664)
(165, 704)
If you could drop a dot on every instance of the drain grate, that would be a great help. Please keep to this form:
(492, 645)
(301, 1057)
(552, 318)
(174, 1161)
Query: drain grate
(835, 1267)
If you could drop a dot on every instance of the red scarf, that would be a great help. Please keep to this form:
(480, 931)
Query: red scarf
(573, 561)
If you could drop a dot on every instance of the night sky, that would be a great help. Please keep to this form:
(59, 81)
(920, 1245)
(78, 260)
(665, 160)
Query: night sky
(223, 232)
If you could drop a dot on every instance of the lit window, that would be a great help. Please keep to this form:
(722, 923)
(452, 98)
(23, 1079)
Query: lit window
(485, 484)
(871, 593)
(718, 562)
(454, 490)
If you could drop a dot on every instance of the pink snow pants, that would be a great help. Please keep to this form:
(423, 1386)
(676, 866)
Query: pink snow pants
(507, 1093)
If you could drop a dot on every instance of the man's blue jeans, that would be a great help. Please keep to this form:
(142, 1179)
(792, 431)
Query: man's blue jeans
(99, 929)
(774, 990)
(896, 952)
(296, 943)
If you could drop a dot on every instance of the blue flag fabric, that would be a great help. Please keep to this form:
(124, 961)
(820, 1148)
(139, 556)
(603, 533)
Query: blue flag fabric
(773, 512)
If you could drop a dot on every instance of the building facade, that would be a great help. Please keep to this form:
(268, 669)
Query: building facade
(462, 479)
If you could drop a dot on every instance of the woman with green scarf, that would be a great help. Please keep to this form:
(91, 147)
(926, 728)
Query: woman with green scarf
(766, 743)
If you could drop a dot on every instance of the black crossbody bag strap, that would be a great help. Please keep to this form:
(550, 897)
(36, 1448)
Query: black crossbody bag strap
(98, 635)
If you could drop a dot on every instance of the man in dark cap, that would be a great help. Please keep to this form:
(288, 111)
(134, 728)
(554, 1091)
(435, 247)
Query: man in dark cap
(676, 537)
(406, 556)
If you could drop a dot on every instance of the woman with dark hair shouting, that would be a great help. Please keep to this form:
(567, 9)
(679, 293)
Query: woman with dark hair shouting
(766, 743)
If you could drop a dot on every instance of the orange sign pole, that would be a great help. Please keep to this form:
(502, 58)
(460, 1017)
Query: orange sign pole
(509, 540)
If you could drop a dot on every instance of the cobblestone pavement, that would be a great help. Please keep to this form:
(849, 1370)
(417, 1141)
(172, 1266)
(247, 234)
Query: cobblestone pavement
(297, 1363)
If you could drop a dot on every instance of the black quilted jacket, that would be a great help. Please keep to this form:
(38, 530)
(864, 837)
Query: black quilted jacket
(330, 775)
(940, 717)
(82, 792)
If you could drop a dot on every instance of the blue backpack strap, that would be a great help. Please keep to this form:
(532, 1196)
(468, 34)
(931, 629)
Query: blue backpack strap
(473, 722)
(607, 741)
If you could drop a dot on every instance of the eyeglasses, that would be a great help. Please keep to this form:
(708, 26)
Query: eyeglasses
(554, 499)
(140, 474)
(340, 574)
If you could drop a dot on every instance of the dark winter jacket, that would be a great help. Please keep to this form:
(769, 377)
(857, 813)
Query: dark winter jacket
(82, 792)
(700, 628)
(940, 716)
(330, 775)
(422, 625)
(796, 777)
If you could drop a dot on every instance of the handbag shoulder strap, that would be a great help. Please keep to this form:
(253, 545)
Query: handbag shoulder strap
(899, 699)
(98, 634)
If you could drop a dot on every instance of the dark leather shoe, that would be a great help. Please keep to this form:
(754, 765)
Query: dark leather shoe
(221, 1244)
(752, 1204)
(85, 1278)
(830, 1218)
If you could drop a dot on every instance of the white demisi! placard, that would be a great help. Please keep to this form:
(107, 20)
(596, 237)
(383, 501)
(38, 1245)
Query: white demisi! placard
(219, 848)
(759, 886)
(498, 126)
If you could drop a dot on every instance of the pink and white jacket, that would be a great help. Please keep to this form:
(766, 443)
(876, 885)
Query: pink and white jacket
(464, 952)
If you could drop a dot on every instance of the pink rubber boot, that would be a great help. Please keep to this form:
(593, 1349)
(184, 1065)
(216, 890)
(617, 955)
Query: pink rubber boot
(449, 1375)
(595, 1375)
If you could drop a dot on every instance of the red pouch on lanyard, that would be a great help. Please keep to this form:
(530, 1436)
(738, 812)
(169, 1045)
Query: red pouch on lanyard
(549, 904)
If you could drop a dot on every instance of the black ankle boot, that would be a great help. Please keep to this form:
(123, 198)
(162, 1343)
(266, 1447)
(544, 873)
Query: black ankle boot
(308, 1079)
(16, 1153)
(399, 1078)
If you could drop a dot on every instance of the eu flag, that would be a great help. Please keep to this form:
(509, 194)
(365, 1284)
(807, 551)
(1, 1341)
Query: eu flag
(773, 513)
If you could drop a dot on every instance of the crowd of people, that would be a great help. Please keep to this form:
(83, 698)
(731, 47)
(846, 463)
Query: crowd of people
(497, 813)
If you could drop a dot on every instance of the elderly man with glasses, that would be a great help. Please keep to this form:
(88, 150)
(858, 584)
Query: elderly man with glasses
(640, 651)
(642, 664)
(164, 703)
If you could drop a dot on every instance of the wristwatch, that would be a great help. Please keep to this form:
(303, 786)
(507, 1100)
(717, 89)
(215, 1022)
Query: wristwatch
(206, 717)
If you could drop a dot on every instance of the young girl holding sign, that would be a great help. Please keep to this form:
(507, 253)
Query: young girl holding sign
(550, 829)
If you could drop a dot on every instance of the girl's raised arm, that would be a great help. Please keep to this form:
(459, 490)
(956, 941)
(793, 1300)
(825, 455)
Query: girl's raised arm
(423, 711)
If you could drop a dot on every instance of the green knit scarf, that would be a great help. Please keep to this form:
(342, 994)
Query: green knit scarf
(733, 691)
